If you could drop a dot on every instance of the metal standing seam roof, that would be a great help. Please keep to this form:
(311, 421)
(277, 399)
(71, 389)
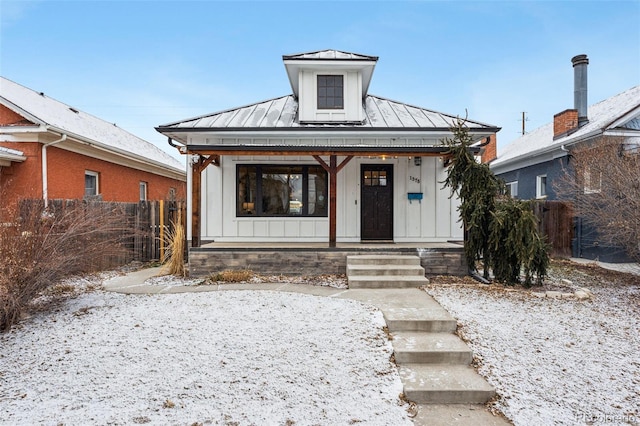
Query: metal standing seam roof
(602, 118)
(329, 54)
(281, 113)
(61, 117)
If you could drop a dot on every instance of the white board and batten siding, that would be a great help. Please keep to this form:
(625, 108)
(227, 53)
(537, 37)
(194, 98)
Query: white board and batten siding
(308, 99)
(434, 219)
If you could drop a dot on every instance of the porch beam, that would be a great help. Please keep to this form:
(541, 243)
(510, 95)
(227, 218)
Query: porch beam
(324, 165)
(300, 152)
(344, 163)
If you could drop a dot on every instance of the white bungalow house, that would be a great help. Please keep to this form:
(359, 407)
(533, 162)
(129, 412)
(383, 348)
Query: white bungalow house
(329, 163)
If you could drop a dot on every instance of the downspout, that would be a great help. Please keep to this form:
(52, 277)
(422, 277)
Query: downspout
(170, 141)
(45, 183)
(181, 148)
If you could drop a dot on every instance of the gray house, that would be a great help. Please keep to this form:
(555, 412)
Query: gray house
(531, 164)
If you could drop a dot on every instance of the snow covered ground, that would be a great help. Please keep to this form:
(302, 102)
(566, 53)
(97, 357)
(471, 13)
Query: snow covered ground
(227, 357)
(271, 358)
(555, 361)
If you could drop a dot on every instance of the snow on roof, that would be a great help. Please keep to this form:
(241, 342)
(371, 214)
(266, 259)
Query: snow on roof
(66, 119)
(330, 55)
(282, 112)
(9, 151)
(7, 155)
(603, 116)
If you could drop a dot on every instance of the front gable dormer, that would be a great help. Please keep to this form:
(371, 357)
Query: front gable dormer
(330, 85)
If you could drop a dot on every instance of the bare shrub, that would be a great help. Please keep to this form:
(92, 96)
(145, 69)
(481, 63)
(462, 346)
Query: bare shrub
(39, 247)
(603, 182)
(232, 276)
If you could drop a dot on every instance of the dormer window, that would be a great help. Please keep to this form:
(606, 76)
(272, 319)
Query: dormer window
(330, 86)
(330, 92)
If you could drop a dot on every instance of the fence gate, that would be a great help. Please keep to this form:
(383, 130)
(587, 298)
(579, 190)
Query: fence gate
(555, 219)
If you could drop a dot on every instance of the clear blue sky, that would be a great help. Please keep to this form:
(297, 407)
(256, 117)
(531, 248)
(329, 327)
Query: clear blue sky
(144, 63)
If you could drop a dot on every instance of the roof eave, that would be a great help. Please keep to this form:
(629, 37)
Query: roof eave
(628, 115)
(37, 128)
(6, 159)
(540, 155)
(318, 129)
(120, 152)
(22, 112)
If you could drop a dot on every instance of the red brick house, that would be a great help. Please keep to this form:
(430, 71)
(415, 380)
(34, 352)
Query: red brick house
(50, 150)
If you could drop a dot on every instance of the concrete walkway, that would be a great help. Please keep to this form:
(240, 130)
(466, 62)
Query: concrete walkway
(628, 268)
(402, 308)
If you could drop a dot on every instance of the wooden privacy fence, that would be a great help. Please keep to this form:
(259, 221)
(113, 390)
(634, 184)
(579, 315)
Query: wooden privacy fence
(555, 219)
(154, 221)
(143, 232)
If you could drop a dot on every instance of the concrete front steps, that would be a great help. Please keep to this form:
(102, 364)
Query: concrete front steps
(412, 347)
(433, 362)
(444, 384)
(385, 271)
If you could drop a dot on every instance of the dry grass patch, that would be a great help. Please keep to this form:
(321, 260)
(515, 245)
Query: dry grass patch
(231, 276)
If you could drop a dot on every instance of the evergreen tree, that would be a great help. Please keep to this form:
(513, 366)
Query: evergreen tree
(500, 233)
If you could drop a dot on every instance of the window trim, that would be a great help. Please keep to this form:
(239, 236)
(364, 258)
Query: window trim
(511, 185)
(144, 185)
(95, 175)
(540, 187)
(333, 108)
(172, 193)
(257, 203)
(588, 186)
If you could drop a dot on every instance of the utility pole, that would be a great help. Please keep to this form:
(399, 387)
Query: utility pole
(524, 119)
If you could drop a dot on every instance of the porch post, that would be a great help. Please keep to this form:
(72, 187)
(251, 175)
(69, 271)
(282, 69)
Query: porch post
(196, 179)
(333, 175)
(332, 169)
(197, 168)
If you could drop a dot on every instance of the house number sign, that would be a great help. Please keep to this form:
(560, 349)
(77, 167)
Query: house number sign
(414, 179)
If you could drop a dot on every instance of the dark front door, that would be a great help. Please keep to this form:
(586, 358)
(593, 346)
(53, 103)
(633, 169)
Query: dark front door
(376, 185)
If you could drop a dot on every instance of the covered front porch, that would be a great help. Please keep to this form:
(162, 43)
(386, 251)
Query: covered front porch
(274, 258)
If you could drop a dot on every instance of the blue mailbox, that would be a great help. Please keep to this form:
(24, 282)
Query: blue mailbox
(414, 196)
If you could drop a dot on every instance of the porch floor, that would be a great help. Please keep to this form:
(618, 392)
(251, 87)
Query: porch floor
(325, 245)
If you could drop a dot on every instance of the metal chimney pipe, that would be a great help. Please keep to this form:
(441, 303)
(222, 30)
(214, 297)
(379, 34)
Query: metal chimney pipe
(580, 63)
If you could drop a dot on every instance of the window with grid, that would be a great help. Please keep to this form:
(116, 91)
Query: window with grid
(375, 178)
(90, 183)
(330, 92)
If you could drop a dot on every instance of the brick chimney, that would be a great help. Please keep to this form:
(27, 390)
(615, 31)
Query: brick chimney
(564, 122)
(571, 119)
(490, 151)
